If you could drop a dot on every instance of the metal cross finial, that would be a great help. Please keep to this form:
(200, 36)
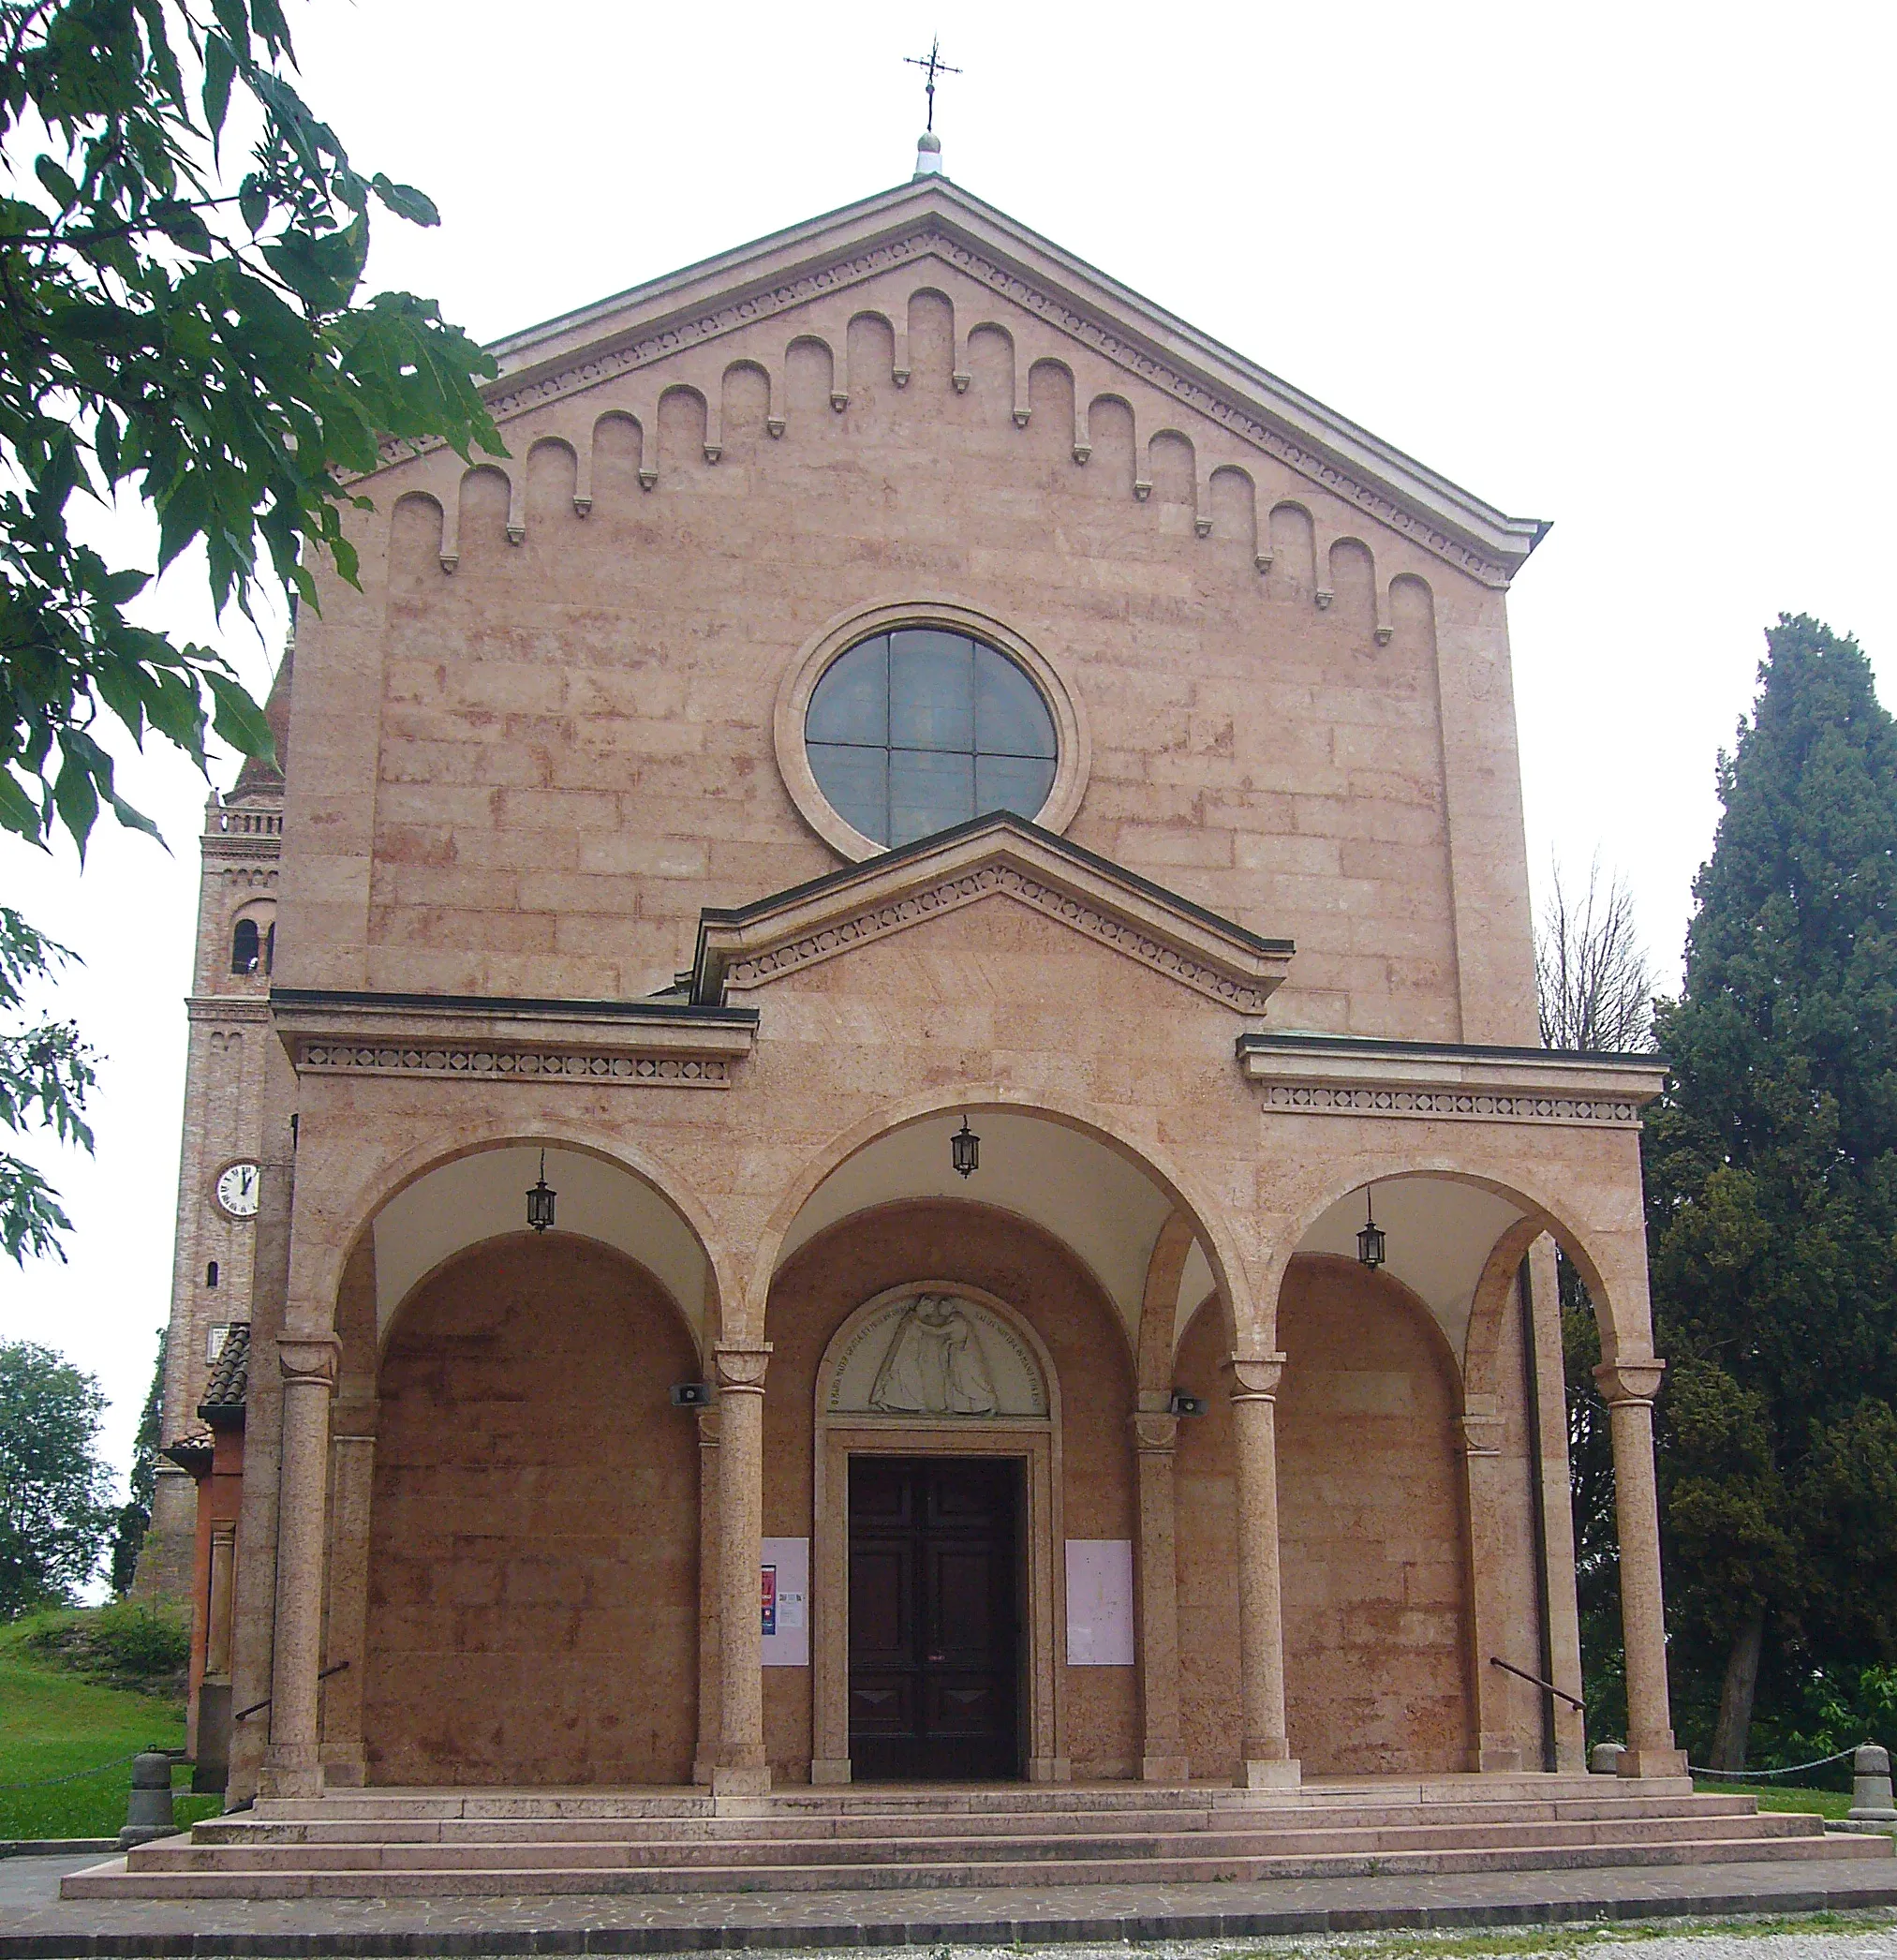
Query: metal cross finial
(936, 65)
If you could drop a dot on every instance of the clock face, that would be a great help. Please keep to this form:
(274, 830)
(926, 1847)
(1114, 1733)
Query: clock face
(237, 1190)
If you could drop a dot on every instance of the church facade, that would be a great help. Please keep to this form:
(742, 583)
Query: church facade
(896, 1116)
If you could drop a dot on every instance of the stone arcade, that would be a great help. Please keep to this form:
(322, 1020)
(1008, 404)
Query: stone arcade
(900, 681)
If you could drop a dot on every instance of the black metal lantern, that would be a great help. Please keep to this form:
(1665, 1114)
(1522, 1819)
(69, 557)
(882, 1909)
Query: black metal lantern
(541, 1200)
(965, 1149)
(1370, 1241)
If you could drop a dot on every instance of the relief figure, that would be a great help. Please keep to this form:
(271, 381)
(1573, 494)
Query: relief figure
(936, 1365)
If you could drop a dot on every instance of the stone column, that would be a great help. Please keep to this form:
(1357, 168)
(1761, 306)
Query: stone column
(742, 1769)
(1629, 1389)
(704, 1757)
(1557, 1506)
(1266, 1760)
(351, 1491)
(1497, 1748)
(292, 1764)
(1162, 1753)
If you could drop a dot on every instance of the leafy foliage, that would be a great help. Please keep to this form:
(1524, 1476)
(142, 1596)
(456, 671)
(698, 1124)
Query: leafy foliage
(1771, 1190)
(202, 346)
(135, 1513)
(55, 1512)
(46, 1072)
(127, 1645)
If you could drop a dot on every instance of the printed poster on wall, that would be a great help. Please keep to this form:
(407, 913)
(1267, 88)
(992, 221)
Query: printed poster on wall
(786, 1602)
(1100, 1602)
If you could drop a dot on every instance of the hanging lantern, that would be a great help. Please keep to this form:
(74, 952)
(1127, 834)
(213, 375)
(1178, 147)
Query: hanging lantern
(1370, 1241)
(965, 1149)
(541, 1200)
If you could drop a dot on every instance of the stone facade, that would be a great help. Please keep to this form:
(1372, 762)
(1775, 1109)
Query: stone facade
(560, 889)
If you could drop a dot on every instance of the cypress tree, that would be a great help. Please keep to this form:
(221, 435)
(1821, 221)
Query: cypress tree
(1771, 1190)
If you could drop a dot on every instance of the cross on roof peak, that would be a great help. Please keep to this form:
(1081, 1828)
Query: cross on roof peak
(934, 65)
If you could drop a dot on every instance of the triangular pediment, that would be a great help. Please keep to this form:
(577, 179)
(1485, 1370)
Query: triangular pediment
(1001, 856)
(820, 260)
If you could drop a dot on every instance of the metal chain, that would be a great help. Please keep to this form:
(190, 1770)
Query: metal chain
(46, 1782)
(1753, 1776)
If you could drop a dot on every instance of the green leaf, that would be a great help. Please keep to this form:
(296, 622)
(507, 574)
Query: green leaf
(239, 721)
(404, 201)
(220, 65)
(62, 187)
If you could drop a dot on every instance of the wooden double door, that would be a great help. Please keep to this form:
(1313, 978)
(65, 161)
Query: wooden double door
(935, 1658)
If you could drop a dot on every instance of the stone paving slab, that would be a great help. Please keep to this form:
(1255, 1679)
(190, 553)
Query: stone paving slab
(35, 1924)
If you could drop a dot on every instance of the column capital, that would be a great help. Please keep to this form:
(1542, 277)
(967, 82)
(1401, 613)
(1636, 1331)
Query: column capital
(1255, 1376)
(1155, 1432)
(741, 1365)
(1481, 1432)
(305, 1359)
(1630, 1381)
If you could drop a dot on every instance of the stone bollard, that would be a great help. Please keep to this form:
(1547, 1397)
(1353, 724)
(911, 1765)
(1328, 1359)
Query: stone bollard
(1871, 1801)
(149, 1812)
(1604, 1759)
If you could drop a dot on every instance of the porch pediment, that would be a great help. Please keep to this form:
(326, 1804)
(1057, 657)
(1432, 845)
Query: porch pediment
(1000, 857)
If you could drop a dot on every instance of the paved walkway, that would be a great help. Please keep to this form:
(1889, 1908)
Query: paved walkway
(35, 1924)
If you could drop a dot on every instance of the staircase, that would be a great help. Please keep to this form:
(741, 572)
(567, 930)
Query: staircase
(421, 1843)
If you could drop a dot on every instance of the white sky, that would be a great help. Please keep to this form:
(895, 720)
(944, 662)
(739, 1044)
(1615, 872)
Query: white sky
(1626, 267)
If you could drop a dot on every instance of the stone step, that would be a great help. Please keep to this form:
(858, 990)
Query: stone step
(247, 1827)
(116, 1881)
(1317, 1840)
(933, 1800)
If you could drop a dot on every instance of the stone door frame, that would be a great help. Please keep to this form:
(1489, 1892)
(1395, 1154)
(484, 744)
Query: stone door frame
(1032, 1440)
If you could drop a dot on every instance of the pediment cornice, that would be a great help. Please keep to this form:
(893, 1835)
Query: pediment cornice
(1003, 856)
(936, 219)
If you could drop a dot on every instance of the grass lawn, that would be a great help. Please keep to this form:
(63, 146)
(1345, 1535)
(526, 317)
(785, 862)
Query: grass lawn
(1775, 1796)
(53, 1723)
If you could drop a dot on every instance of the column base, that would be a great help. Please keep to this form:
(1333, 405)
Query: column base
(1166, 1769)
(702, 1770)
(345, 1766)
(748, 1781)
(289, 1778)
(1652, 1762)
(1285, 1773)
(830, 1769)
(1498, 1755)
(1050, 1769)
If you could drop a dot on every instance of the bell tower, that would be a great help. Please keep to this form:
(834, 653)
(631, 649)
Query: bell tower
(228, 1015)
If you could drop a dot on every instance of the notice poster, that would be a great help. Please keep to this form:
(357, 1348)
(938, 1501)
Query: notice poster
(786, 1602)
(1100, 1602)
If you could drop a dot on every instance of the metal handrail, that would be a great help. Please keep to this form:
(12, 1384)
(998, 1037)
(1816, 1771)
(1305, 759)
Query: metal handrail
(1495, 1660)
(258, 1707)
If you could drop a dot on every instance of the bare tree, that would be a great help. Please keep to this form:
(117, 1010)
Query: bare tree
(1591, 974)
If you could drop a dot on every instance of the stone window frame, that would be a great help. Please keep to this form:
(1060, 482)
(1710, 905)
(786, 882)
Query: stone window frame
(1072, 746)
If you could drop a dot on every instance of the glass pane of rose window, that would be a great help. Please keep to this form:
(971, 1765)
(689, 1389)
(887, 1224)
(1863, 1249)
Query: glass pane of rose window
(851, 701)
(1010, 718)
(856, 782)
(928, 793)
(931, 690)
(1015, 782)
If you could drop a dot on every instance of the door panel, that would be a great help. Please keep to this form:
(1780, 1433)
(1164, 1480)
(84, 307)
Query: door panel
(934, 1644)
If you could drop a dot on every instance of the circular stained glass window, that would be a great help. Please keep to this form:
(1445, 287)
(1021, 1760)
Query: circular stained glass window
(919, 729)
